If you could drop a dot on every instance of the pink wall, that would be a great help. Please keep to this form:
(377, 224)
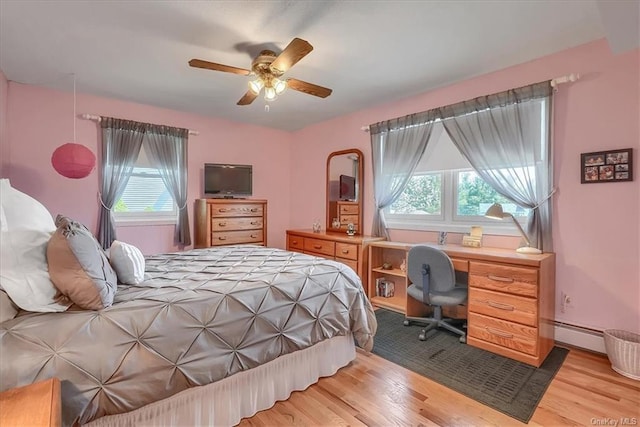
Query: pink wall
(595, 227)
(4, 137)
(42, 119)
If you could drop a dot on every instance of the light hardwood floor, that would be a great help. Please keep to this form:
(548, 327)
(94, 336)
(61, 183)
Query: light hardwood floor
(372, 391)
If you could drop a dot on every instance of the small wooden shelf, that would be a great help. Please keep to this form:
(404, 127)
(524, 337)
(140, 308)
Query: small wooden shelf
(395, 303)
(392, 272)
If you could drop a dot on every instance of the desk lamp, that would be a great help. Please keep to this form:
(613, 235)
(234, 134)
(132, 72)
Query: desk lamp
(495, 212)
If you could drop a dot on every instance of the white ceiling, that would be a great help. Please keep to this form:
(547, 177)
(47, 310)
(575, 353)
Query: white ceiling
(368, 52)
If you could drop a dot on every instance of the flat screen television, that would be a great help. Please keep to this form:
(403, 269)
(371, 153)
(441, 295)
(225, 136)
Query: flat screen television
(228, 181)
(347, 187)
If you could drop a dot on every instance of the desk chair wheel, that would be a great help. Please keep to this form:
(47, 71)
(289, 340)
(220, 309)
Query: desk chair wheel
(406, 323)
(422, 336)
(463, 339)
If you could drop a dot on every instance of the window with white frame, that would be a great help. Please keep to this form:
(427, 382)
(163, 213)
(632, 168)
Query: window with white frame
(145, 198)
(446, 194)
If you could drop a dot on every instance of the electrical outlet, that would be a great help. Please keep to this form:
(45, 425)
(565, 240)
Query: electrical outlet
(565, 302)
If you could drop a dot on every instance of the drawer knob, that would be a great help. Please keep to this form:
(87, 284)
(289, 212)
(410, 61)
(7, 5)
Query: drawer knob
(345, 251)
(222, 224)
(317, 246)
(295, 242)
(500, 278)
(498, 332)
(253, 236)
(222, 238)
(254, 210)
(222, 210)
(254, 223)
(501, 306)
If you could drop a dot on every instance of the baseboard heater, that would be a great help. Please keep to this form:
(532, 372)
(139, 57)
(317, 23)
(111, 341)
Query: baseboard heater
(579, 336)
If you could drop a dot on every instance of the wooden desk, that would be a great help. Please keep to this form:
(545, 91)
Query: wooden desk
(511, 303)
(36, 404)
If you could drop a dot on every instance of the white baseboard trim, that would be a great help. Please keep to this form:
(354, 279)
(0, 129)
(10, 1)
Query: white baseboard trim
(579, 337)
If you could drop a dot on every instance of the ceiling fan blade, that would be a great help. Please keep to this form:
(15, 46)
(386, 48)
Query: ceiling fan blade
(248, 98)
(294, 52)
(308, 88)
(199, 63)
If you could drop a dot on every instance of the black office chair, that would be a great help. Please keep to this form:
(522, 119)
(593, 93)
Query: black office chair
(434, 283)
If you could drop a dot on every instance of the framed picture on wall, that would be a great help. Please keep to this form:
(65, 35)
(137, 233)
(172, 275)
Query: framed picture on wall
(607, 166)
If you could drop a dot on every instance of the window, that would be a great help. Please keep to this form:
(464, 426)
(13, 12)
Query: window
(446, 194)
(145, 199)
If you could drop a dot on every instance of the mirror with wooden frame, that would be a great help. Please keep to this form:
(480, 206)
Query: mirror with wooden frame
(345, 174)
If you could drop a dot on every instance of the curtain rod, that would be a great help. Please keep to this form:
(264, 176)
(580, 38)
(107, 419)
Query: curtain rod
(569, 78)
(98, 119)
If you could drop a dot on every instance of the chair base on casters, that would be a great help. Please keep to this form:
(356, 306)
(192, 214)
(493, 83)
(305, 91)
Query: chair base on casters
(435, 322)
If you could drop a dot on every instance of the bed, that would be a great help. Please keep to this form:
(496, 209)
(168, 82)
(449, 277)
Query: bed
(210, 336)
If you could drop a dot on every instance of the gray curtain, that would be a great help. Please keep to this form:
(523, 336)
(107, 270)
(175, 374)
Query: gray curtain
(167, 151)
(121, 142)
(396, 146)
(500, 135)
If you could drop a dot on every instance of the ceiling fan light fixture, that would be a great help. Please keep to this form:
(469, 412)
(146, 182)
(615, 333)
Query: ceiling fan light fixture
(279, 85)
(256, 86)
(270, 94)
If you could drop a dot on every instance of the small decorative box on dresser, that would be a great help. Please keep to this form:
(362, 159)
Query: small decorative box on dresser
(33, 405)
(511, 304)
(220, 222)
(349, 250)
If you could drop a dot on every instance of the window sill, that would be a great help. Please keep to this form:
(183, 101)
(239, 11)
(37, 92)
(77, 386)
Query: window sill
(509, 229)
(131, 222)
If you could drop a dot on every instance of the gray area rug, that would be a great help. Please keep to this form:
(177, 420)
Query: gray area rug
(506, 385)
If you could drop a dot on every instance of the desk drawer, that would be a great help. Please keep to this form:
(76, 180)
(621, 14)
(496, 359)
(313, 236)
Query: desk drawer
(504, 278)
(503, 306)
(506, 334)
(324, 247)
(295, 242)
(460, 264)
(225, 224)
(236, 237)
(244, 209)
(347, 250)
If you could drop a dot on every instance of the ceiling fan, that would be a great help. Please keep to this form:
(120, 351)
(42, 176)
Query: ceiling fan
(269, 68)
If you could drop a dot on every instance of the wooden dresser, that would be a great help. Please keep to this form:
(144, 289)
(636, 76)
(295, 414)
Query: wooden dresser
(347, 212)
(511, 303)
(33, 405)
(220, 222)
(349, 250)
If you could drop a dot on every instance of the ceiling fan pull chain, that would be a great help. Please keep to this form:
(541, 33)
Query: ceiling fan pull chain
(266, 108)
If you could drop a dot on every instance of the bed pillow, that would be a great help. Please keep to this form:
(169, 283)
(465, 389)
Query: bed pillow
(25, 230)
(7, 310)
(127, 261)
(78, 266)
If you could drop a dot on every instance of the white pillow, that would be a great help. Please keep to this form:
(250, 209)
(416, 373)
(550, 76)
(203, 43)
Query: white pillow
(25, 232)
(128, 262)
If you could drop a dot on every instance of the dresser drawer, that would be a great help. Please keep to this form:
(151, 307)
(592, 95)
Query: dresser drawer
(506, 334)
(503, 306)
(504, 278)
(346, 219)
(224, 224)
(349, 209)
(295, 242)
(351, 263)
(237, 209)
(236, 237)
(347, 250)
(324, 247)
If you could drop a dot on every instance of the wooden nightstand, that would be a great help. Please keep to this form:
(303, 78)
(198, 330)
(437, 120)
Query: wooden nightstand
(36, 404)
